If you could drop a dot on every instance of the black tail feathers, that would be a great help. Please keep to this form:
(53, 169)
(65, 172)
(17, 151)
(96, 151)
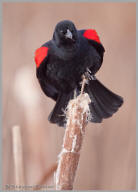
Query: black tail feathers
(104, 103)
(58, 115)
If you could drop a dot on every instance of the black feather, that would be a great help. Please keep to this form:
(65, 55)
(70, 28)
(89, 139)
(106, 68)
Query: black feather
(104, 103)
(58, 115)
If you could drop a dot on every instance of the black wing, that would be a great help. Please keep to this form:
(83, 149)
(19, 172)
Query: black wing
(47, 88)
(98, 47)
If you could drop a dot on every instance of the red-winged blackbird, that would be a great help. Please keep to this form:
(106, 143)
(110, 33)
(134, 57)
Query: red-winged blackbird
(62, 61)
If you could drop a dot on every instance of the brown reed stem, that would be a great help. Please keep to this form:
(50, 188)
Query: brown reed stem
(48, 174)
(18, 156)
(77, 116)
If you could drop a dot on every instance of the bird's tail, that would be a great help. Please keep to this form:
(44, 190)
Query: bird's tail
(58, 114)
(104, 103)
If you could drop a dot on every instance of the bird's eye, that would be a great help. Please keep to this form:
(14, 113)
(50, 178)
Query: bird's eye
(63, 32)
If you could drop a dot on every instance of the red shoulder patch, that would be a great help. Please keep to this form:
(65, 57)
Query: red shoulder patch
(40, 54)
(91, 34)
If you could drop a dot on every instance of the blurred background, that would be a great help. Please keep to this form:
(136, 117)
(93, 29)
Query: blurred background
(108, 155)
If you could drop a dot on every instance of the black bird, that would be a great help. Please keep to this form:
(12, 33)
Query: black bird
(62, 61)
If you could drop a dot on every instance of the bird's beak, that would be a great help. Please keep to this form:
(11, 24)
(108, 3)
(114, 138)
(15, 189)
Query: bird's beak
(68, 34)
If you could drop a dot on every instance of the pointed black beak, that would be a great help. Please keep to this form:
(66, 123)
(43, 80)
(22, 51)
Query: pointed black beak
(68, 34)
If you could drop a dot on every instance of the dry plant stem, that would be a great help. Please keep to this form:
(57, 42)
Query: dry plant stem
(18, 156)
(84, 80)
(77, 115)
(48, 174)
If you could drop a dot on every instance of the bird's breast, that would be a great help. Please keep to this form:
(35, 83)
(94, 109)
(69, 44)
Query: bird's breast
(65, 72)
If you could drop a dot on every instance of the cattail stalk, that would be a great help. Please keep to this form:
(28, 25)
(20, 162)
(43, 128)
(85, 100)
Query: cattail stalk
(18, 156)
(77, 118)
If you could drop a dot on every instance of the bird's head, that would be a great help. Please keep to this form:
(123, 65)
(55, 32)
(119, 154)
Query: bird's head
(65, 34)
